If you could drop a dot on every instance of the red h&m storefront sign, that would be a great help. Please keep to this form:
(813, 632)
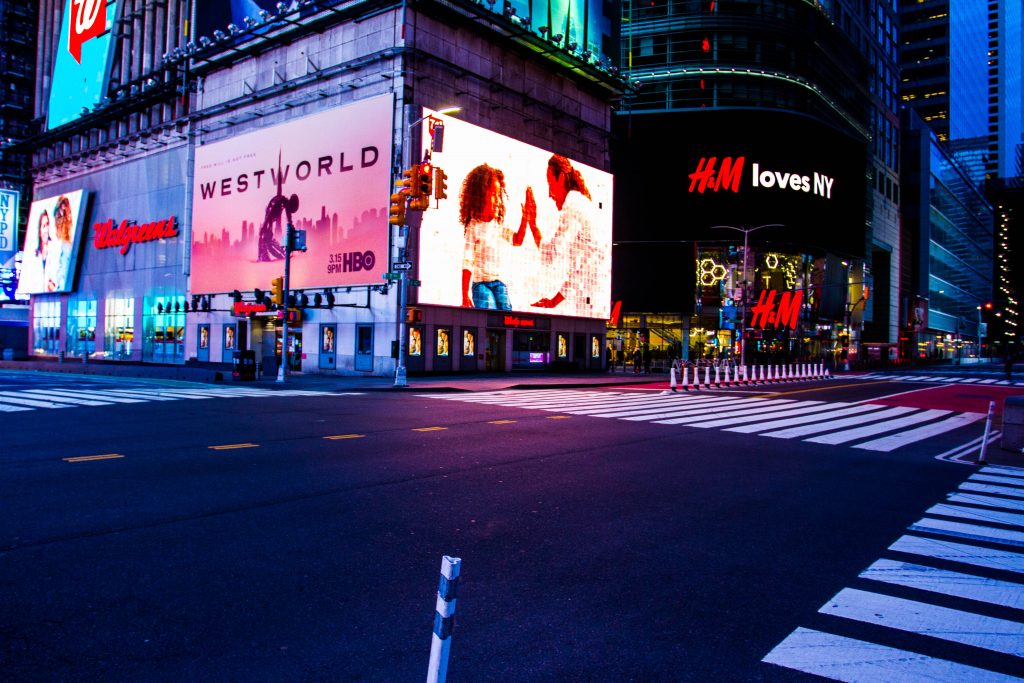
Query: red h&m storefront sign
(785, 314)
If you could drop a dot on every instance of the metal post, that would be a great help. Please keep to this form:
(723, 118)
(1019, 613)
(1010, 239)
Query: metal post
(988, 428)
(444, 619)
(282, 370)
(400, 373)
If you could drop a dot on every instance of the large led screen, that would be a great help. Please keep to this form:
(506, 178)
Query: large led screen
(326, 173)
(51, 244)
(9, 201)
(82, 66)
(522, 229)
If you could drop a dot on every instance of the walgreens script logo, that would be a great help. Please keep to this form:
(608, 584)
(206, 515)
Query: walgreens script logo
(88, 20)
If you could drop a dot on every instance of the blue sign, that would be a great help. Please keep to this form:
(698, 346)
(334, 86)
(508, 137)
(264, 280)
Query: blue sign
(81, 71)
(8, 223)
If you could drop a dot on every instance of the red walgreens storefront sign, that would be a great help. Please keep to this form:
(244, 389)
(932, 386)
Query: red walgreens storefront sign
(127, 234)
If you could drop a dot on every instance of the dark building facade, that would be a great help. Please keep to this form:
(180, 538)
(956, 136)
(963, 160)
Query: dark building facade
(754, 114)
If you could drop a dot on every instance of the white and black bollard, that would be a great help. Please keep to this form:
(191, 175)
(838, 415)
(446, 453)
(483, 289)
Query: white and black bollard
(444, 620)
(988, 429)
(672, 377)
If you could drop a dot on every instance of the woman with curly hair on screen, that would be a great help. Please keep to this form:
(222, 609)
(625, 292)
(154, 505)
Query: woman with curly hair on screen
(482, 214)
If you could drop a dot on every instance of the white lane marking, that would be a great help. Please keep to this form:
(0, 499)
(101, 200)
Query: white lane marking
(972, 531)
(991, 501)
(951, 551)
(857, 661)
(1007, 471)
(989, 488)
(111, 397)
(59, 397)
(976, 630)
(138, 396)
(742, 416)
(704, 412)
(775, 424)
(987, 381)
(890, 443)
(11, 409)
(977, 514)
(878, 428)
(639, 408)
(16, 399)
(837, 424)
(969, 586)
(998, 479)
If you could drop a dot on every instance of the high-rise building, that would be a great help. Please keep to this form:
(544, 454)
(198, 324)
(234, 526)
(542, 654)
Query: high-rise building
(730, 92)
(192, 150)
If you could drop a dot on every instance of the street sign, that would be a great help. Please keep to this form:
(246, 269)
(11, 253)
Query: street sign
(414, 283)
(403, 265)
(392, 276)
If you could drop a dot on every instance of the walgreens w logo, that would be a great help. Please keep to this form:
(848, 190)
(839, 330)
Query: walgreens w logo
(710, 176)
(88, 19)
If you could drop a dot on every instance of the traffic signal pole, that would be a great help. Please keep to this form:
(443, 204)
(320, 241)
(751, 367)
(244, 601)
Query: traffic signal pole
(282, 369)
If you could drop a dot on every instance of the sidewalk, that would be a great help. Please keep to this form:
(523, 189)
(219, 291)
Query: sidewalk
(493, 381)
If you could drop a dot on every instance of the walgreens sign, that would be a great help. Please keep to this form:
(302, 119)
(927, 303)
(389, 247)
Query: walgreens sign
(728, 175)
(106, 235)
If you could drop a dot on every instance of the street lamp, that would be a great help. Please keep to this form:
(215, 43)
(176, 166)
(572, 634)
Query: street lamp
(743, 300)
(401, 379)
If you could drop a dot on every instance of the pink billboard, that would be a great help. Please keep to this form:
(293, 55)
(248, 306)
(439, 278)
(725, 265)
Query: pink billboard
(327, 174)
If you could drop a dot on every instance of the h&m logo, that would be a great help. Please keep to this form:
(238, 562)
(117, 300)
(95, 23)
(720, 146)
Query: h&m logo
(710, 176)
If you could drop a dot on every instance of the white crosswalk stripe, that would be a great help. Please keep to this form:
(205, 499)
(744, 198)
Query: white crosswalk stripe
(942, 379)
(48, 398)
(869, 426)
(946, 593)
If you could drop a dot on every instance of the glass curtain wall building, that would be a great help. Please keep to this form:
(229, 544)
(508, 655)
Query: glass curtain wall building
(767, 68)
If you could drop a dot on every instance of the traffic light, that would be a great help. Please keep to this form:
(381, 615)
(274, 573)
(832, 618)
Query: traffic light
(409, 184)
(413, 315)
(426, 181)
(277, 291)
(440, 184)
(397, 210)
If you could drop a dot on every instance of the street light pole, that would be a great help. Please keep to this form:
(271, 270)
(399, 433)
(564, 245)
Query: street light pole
(401, 375)
(743, 300)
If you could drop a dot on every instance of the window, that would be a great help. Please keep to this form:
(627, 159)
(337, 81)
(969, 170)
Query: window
(119, 332)
(163, 325)
(81, 326)
(46, 327)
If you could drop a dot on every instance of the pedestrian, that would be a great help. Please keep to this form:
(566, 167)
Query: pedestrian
(611, 359)
(636, 360)
(647, 361)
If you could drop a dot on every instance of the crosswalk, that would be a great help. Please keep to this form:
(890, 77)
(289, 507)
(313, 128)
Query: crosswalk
(977, 378)
(955, 578)
(20, 400)
(863, 425)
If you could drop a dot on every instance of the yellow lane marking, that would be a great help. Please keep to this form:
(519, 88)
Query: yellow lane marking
(559, 417)
(501, 422)
(336, 437)
(232, 446)
(429, 429)
(87, 458)
(830, 386)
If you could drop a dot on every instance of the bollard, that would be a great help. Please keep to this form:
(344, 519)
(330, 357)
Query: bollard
(988, 428)
(717, 383)
(672, 378)
(761, 381)
(444, 620)
(727, 380)
(686, 377)
(707, 375)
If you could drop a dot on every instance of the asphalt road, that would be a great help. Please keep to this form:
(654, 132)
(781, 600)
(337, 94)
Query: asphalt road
(298, 537)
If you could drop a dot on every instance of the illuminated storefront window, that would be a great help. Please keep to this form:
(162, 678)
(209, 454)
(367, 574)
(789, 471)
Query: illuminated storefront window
(46, 327)
(119, 330)
(81, 337)
(163, 325)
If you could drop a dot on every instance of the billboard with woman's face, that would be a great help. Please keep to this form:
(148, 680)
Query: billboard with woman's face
(522, 229)
(51, 244)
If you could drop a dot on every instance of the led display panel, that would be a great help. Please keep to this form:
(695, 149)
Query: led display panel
(522, 229)
(326, 174)
(51, 244)
(81, 70)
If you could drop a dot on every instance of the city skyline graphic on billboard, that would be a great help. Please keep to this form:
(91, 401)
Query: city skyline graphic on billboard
(327, 173)
(522, 229)
(51, 244)
(81, 70)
